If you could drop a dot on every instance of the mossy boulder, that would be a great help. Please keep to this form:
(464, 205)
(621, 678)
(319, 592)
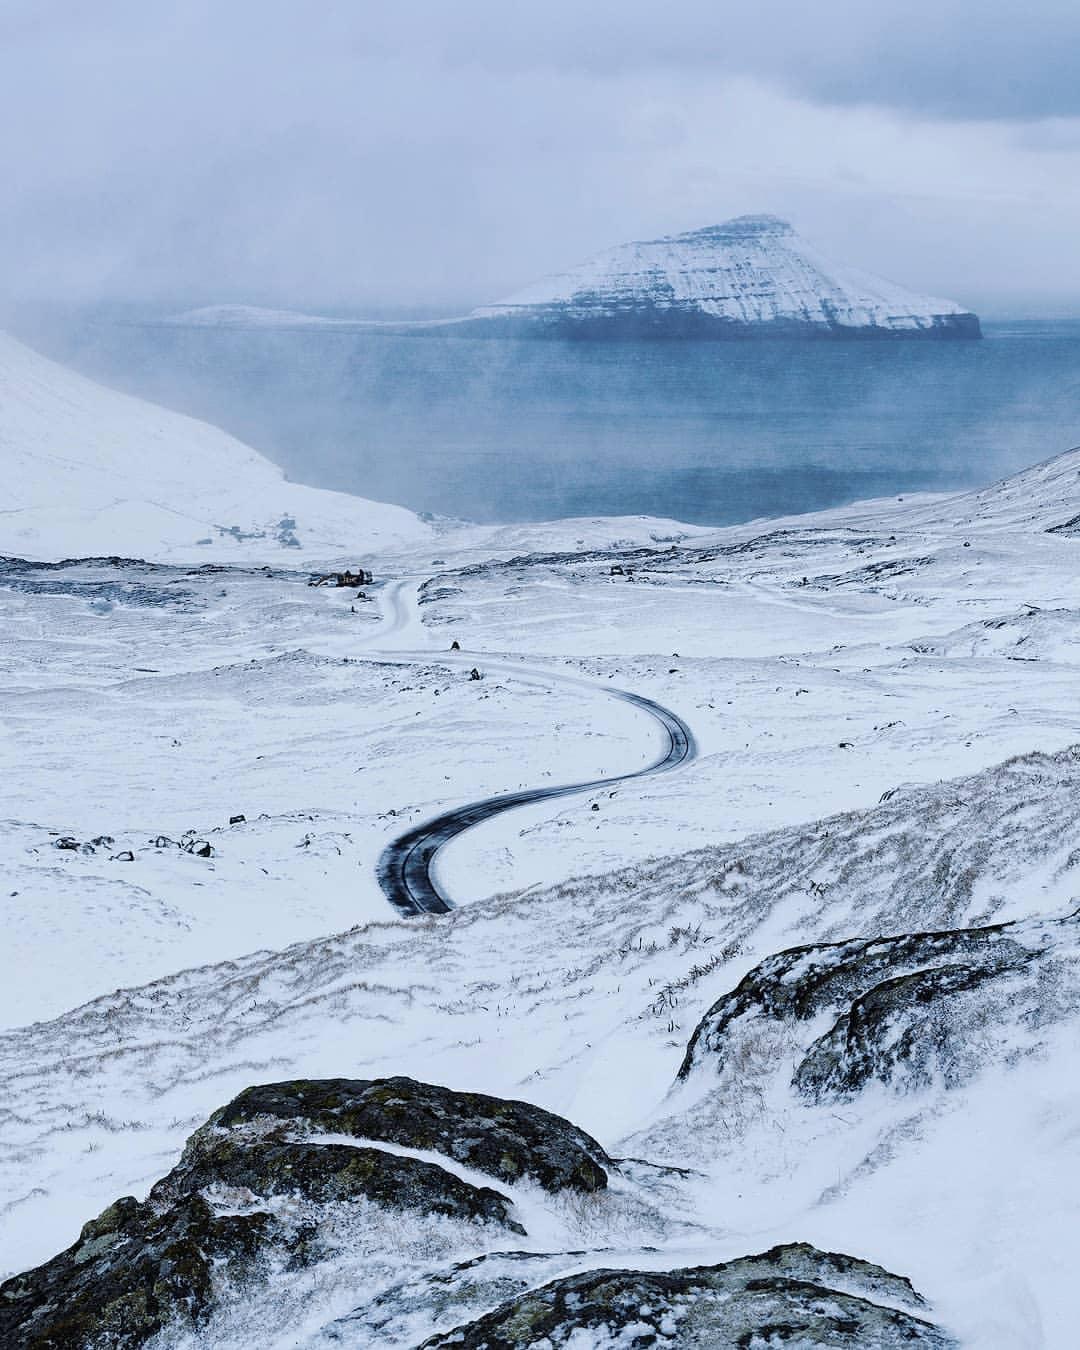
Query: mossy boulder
(254, 1184)
(132, 1272)
(333, 1173)
(507, 1140)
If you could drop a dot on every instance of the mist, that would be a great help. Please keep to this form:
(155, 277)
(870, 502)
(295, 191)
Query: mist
(710, 433)
(419, 160)
(434, 157)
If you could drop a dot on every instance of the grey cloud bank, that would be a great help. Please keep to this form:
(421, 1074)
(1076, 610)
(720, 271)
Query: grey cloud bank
(435, 156)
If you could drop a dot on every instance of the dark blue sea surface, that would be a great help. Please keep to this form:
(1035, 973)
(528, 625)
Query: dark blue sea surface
(711, 432)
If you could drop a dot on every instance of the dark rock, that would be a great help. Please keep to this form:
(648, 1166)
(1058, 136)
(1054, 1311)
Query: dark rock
(131, 1273)
(790, 1295)
(897, 1024)
(504, 1139)
(905, 1010)
(140, 1267)
(125, 856)
(237, 820)
(330, 1173)
(445, 1296)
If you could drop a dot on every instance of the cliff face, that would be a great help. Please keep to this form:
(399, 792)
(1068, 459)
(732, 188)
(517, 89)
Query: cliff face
(750, 277)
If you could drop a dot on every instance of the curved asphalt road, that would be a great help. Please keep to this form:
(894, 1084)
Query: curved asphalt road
(404, 867)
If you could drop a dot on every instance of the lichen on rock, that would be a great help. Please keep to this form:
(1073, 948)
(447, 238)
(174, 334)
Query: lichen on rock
(508, 1140)
(256, 1183)
(792, 1295)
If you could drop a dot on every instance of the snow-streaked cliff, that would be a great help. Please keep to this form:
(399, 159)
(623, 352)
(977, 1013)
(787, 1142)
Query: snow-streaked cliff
(88, 470)
(750, 276)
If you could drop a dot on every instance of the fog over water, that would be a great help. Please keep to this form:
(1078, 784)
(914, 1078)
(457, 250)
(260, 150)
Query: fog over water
(707, 432)
(423, 158)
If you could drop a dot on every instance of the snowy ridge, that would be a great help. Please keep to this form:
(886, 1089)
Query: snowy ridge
(1044, 497)
(246, 316)
(91, 471)
(752, 274)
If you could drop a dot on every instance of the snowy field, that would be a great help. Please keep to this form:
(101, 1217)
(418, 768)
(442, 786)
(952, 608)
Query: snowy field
(885, 705)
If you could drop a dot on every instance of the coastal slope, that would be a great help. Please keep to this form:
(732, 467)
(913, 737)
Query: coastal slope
(92, 471)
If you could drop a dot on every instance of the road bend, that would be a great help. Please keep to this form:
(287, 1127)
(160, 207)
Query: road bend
(405, 867)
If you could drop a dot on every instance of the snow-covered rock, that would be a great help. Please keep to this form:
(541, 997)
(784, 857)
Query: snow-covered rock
(752, 276)
(914, 1011)
(89, 471)
(793, 1294)
(321, 1182)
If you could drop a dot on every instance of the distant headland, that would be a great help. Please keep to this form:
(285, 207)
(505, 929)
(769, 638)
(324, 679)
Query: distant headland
(751, 277)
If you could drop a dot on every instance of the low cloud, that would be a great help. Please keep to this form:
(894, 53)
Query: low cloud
(437, 155)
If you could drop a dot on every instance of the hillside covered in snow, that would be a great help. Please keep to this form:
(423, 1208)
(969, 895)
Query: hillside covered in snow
(782, 1042)
(89, 471)
(749, 277)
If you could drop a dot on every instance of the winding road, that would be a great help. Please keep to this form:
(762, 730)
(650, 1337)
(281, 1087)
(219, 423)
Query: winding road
(405, 866)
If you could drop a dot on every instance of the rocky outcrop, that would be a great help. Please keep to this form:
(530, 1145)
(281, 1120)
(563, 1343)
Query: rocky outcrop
(750, 277)
(256, 1184)
(791, 1295)
(445, 1297)
(507, 1140)
(907, 1010)
(132, 1272)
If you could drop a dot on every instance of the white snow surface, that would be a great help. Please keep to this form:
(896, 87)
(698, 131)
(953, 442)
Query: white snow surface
(91, 471)
(245, 316)
(257, 316)
(884, 699)
(754, 269)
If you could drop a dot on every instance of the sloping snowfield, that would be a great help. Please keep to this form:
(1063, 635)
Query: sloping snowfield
(884, 701)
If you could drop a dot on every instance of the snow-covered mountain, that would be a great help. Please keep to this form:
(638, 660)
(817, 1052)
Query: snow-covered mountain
(752, 276)
(88, 471)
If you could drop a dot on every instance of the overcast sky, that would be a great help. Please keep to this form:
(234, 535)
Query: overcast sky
(442, 152)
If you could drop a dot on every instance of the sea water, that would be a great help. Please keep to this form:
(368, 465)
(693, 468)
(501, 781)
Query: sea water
(709, 432)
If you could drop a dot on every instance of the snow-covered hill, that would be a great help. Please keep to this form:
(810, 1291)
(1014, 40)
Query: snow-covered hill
(750, 276)
(245, 316)
(1045, 497)
(89, 471)
(808, 1004)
